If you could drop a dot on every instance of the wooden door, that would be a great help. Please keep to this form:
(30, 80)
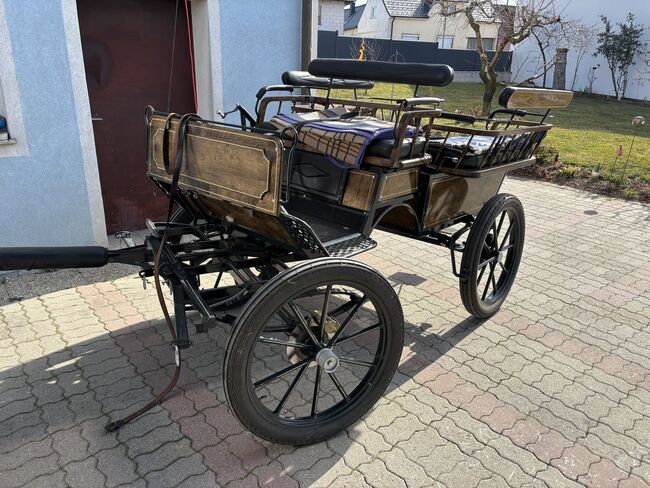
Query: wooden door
(127, 47)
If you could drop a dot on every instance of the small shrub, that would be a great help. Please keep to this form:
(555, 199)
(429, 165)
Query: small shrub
(547, 154)
(631, 194)
(569, 172)
(617, 179)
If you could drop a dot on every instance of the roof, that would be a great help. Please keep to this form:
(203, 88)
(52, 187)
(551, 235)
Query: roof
(352, 22)
(420, 9)
(407, 8)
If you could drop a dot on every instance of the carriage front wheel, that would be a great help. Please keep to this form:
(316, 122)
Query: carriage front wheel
(313, 350)
(492, 254)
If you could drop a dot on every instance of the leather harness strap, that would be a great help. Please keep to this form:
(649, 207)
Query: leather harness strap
(176, 171)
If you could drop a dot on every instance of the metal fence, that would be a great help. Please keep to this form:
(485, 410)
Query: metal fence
(331, 45)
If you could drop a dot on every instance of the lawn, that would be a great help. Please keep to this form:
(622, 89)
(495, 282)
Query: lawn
(586, 133)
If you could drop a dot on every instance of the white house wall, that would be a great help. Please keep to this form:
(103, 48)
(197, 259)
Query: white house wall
(332, 15)
(377, 28)
(588, 12)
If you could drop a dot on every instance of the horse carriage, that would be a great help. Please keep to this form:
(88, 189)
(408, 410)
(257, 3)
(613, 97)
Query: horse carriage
(306, 179)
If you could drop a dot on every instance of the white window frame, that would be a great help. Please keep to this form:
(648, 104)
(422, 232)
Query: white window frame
(10, 104)
(410, 37)
(441, 40)
(373, 12)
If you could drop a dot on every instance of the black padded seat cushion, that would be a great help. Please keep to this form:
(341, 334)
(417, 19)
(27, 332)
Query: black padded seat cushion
(479, 147)
(383, 148)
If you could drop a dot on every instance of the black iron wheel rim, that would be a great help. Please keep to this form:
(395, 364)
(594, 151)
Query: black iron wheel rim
(348, 397)
(497, 260)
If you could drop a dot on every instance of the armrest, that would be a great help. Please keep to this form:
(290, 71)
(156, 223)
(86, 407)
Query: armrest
(262, 91)
(460, 117)
(410, 102)
(509, 111)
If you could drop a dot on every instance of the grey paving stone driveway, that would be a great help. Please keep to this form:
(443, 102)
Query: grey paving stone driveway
(553, 391)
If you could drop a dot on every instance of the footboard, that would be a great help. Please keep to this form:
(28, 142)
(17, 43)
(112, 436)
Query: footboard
(219, 162)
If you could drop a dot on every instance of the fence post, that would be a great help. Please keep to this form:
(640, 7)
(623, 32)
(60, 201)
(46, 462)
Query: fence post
(559, 73)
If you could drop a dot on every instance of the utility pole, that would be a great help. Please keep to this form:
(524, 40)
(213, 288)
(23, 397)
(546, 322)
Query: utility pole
(306, 38)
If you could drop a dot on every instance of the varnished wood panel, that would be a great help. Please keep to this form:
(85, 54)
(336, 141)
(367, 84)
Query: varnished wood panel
(539, 98)
(398, 184)
(359, 189)
(450, 196)
(222, 163)
(258, 222)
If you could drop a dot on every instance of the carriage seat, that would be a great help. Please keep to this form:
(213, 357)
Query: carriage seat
(378, 153)
(383, 148)
(450, 151)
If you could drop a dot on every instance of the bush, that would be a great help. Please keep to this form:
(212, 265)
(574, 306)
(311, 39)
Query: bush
(569, 172)
(631, 194)
(547, 154)
(617, 179)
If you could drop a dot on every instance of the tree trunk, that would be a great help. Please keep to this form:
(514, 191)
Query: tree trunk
(488, 95)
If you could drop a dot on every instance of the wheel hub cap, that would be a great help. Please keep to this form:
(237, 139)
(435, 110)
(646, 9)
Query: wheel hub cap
(327, 360)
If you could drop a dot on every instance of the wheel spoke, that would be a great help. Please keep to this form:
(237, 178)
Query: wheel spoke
(280, 342)
(292, 387)
(505, 238)
(482, 267)
(303, 323)
(357, 362)
(487, 284)
(346, 306)
(494, 281)
(323, 315)
(347, 320)
(503, 216)
(282, 372)
(314, 400)
(503, 267)
(485, 263)
(357, 334)
(339, 386)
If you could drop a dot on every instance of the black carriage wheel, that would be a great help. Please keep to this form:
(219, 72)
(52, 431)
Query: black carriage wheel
(492, 255)
(301, 388)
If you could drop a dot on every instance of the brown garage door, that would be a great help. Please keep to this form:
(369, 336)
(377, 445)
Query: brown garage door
(127, 47)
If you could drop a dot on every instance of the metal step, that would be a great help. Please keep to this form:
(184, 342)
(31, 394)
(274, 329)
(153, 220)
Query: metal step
(350, 246)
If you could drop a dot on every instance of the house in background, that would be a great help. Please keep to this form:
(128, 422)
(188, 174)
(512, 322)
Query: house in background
(75, 77)
(331, 15)
(353, 14)
(424, 20)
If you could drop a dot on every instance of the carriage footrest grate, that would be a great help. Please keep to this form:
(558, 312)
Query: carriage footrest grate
(345, 248)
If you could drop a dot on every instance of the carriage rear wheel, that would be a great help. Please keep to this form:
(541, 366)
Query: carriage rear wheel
(313, 350)
(492, 255)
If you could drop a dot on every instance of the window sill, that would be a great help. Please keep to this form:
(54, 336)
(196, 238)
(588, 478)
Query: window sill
(7, 142)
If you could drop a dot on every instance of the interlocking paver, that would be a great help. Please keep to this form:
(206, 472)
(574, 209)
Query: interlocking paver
(553, 391)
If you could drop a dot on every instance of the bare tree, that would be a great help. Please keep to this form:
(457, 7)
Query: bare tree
(366, 50)
(582, 38)
(518, 21)
(548, 38)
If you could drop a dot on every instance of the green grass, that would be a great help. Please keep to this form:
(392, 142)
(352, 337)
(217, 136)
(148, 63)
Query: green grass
(586, 133)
